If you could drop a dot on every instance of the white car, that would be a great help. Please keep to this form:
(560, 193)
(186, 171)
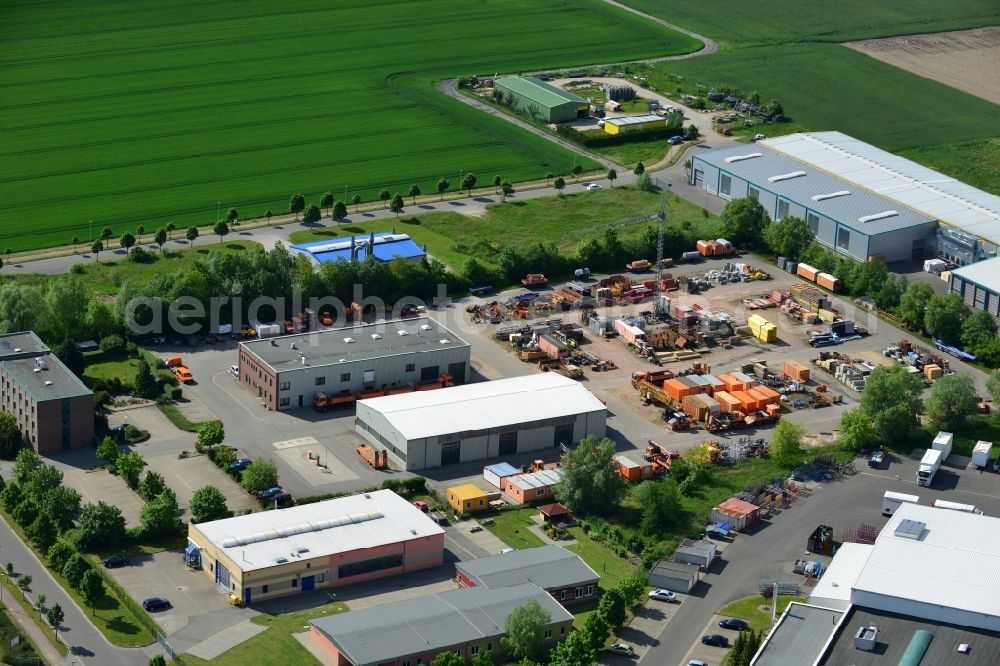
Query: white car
(757, 137)
(697, 662)
(234, 370)
(593, 186)
(663, 595)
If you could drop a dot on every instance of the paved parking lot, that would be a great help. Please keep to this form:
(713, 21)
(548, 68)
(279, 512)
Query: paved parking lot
(185, 476)
(99, 485)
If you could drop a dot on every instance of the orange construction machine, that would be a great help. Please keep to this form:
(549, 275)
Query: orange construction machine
(535, 279)
(374, 457)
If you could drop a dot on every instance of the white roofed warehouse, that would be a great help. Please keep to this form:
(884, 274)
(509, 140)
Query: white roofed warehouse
(479, 421)
(327, 544)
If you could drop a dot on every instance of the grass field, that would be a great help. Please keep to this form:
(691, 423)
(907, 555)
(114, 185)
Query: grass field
(971, 161)
(145, 112)
(511, 527)
(749, 609)
(274, 647)
(452, 237)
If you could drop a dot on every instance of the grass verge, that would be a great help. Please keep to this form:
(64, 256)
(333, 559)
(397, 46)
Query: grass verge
(9, 629)
(750, 609)
(111, 616)
(275, 646)
(611, 568)
(174, 415)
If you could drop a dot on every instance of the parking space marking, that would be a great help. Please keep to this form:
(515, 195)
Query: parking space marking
(300, 441)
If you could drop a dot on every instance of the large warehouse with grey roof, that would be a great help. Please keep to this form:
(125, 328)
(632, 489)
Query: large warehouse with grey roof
(482, 420)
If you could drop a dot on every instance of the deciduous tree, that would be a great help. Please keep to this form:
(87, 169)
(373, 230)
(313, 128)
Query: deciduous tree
(612, 608)
(25, 464)
(55, 617)
(525, 630)
(786, 443)
(891, 399)
(128, 466)
(856, 431)
(442, 187)
(191, 235)
(43, 532)
(913, 304)
(339, 210)
(448, 659)
(74, 569)
(384, 196)
(208, 503)
(92, 589)
(639, 169)
(414, 192)
(100, 525)
(978, 330)
(58, 555)
(152, 485)
(160, 238)
(952, 400)
(944, 318)
(993, 385)
(397, 203)
(296, 205)
(744, 220)
(211, 433)
(788, 237)
(612, 177)
(576, 171)
(597, 630)
(326, 201)
(313, 214)
(559, 183)
(260, 475)
(356, 200)
(573, 651)
(11, 439)
(127, 241)
(96, 248)
(506, 189)
(108, 450)
(590, 482)
(159, 516)
(469, 182)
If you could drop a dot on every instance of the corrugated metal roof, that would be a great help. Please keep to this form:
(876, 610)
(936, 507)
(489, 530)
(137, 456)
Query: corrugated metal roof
(427, 624)
(931, 193)
(542, 479)
(841, 573)
(952, 544)
(635, 120)
(985, 273)
(539, 91)
(388, 246)
(548, 567)
(484, 405)
(844, 209)
(670, 569)
(502, 469)
(388, 519)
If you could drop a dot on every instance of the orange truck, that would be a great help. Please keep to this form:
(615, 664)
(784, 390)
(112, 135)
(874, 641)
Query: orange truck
(174, 362)
(325, 401)
(183, 375)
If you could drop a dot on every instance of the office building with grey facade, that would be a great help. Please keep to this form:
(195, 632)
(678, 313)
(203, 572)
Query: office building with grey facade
(286, 372)
(845, 217)
(979, 285)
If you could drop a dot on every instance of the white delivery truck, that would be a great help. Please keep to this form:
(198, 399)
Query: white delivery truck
(943, 443)
(981, 454)
(929, 465)
(955, 506)
(891, 501)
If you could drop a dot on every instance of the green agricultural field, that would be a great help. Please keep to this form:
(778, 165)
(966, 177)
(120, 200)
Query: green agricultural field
(741, 24)
(144, 112)
(971, 161)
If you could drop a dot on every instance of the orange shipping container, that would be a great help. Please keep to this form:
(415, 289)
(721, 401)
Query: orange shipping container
(729, 402)
(827, 281)
(747, 403)
(762, 400)
(678, 390)
(773, 410)
(734, 384)
(797, 371)
(808, 272)
(773, 397)
(703, 248)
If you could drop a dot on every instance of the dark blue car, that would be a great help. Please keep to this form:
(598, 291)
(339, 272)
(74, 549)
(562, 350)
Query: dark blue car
(270, 492)
(240, 464)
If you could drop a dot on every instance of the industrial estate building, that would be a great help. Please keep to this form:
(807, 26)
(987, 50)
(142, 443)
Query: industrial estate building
(468, 622)
(314, 546)
(553, 568)
(467, 498)
(859, 200)
(483, 420)
(910, 591)
(634, 124)
(979, 285)
(286, 372)
(844, 217)
(53, 408)
(381, 247)
(534, 97)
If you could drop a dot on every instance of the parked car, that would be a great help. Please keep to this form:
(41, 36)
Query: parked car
(734, 623)
(183, 375)
(663, 595)
(593, 186)
(476, 528)
(697, 662)
(757, 137)
(621, 649)
(422, 505)
(876, 459)
(718, 640)
(270, 492)
(486, 521)
(240, 464)
(115, 561)
(674, 140)
(155, 604)
(234, 370)
(282, 497)
(506, 550)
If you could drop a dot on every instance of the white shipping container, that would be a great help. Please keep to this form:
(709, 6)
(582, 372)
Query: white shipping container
(981, 454)
(943, 443)
(955, 506)
(891, 501)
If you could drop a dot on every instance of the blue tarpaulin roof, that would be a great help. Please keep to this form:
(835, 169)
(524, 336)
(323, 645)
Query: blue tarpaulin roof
(388, 246)
(503, 469)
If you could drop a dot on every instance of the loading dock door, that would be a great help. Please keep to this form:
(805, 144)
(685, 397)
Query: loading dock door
(221, 576)
(563, 435)
(308, 583)
(699, 178)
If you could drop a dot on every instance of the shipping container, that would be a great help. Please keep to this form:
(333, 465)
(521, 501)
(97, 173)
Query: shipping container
(733, 384)
(704, 249)
(747, 403)
(807, 271)
(495, 474)
(629, 332)
(796, 371)
(761, 399)
(792, 267)
(981, 454)
(827, 281)
(728, 401)
(726, 246)
(772, 396)
(690, 256)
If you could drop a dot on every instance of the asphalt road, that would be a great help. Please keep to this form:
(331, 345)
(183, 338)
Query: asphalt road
(85, 642)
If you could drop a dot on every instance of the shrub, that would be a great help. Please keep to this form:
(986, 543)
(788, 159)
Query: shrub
(141, 255)
(112, 344)
(101, 398)
(174, 392)
(77, 269)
